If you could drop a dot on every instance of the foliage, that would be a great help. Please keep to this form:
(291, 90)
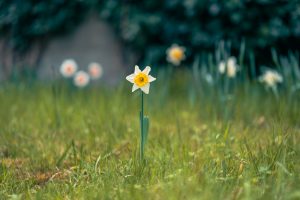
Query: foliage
(150, 26)
(26, 21)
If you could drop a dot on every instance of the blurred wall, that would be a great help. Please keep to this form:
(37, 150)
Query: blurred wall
(92, 41)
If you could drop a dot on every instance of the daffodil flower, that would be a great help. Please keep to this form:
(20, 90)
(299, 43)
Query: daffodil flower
(271, 78)
(222, 67)
(175, 54)
(141, 79)
(230, 67)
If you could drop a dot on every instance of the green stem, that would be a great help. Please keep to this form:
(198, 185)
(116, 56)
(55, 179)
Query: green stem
(142, 126)
(275, 92)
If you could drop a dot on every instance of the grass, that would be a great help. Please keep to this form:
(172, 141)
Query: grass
(83, 144)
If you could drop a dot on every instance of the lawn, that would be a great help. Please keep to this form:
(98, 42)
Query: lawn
(59, 142)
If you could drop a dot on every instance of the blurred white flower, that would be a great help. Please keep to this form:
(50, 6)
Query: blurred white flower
(95, 70)
(271, 78)
(81, 79)
(230, 67)
(175, 54)
(68, 68)
(222, 67)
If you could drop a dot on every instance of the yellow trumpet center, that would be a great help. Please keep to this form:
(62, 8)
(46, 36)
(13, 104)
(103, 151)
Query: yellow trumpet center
(176, 53)
(141, 79)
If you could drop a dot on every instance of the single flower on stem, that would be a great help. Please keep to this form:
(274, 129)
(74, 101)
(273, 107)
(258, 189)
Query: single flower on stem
(232, 67)
(271, 78)
(229, 67)
(141, 80)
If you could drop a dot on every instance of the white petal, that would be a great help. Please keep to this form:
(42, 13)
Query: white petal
(136, 69)
(134, 87)
(151, 78)
(130, 78)
(231, 61)
(147, 70)
(222, 67)
(146, 88)
(173, 61)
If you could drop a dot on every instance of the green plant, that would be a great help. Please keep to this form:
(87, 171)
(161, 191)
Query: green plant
(150, 26)
(24, 22)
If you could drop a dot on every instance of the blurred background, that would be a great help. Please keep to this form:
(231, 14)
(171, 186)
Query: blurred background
(38, 35)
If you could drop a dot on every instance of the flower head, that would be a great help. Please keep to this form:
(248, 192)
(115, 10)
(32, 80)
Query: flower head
(230, 67)
(222, 67)
(68, 68)
(141, 79)
(81, 79)
(271, 78)
(175, 54)
(95, 70)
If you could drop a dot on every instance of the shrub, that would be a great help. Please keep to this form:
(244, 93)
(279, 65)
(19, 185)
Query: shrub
(23, 22)
(150, 26)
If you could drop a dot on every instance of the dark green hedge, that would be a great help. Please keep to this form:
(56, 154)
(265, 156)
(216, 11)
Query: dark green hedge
(24, 21)
(150, 26)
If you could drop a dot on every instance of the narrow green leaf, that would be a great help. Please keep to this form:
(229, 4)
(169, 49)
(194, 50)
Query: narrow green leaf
(145, 129)
(226, 132)
(64, 155)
